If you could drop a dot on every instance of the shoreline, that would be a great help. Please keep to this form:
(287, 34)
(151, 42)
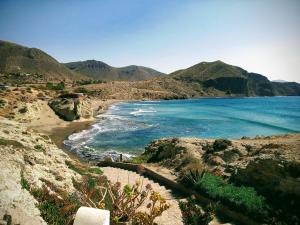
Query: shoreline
(59, 133)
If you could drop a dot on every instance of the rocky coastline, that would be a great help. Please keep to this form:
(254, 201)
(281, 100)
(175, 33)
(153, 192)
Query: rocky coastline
(31, 142)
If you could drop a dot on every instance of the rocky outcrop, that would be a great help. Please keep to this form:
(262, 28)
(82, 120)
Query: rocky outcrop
(269, 164)
(30, 156)
(71, 107)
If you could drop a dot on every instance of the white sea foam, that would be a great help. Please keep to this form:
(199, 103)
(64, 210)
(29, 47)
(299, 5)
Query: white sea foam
(143, 104)
(153, 101)
(142, 111)
(114, 108)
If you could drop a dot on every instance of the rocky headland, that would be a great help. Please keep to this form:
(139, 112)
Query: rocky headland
(270, 164)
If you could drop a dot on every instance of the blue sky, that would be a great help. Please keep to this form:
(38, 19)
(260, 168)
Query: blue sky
(261, 36)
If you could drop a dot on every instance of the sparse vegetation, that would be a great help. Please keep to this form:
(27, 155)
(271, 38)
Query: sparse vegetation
(23, 110)
(13, 143)
(39, 148)
(139, 159)
(83, 169)
(85, 82)
(95, 170)
(52, 86)
(221, 144)
(193, 214)
(84, 91)
(56, 208)
(24, 182)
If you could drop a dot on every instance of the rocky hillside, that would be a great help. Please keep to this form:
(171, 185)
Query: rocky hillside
(98, 70)
(19, 65)
(233, 80)
(32, 62)
(27, 155)
(269, 164)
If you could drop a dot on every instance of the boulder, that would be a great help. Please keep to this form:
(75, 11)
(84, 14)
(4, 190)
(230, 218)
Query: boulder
(71, 108)
(65, 108)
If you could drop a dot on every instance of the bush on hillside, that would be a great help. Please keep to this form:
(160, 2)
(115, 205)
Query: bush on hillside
(52, 86)
(221, 144)
(243, 198)
(193, 214)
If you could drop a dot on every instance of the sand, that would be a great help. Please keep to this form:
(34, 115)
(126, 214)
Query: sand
(47, 122)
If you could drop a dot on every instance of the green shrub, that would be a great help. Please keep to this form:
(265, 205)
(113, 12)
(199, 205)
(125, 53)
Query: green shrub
(59, 86)
(13, 143)
(95, 170)
(85, 82)
(193, 214)
(77, 169)
(84, 91)
(24, 182)
(56, 209)
(244, 198)
(139, 159)
(221, 144)
(82, 169)
(39, 147)
(23, 110)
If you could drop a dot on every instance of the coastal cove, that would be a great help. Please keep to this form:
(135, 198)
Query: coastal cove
(127, 127)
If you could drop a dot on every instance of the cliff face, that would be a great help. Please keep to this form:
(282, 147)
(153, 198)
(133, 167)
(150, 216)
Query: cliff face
(233, 80)
(287, 88)
(71, 107)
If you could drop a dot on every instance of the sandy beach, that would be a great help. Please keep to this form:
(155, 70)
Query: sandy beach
(60, 130)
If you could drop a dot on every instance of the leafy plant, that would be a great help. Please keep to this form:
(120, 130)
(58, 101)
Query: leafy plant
(24, 183)
(122, 202)
(155, 208)
(244, 198)
(221, 144)
(192, 176)
(95, 170)
(194, 214)
(139, 159)
(82, 169)
(23, 110)
(56, 208)
(39, 147)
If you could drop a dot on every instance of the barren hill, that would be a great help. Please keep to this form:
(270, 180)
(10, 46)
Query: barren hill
(101, 71)
(18, 59)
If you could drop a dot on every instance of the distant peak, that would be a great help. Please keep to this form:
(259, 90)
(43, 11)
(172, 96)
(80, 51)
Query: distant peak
(212, 62)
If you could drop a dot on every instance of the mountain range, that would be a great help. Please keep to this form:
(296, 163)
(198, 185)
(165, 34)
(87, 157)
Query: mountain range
(15, 58)
(203, 79)
(101, 71)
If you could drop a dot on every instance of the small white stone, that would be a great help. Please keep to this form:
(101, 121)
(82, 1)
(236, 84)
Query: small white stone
(91, 216)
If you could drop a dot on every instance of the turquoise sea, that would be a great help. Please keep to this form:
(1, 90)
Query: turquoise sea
(128, 127)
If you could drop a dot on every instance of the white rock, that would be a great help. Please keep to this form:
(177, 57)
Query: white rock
(91, 216)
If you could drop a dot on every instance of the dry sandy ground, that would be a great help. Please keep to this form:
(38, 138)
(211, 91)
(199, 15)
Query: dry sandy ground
(46, 120)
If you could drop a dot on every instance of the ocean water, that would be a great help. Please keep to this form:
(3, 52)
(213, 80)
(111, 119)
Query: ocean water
(128, 127)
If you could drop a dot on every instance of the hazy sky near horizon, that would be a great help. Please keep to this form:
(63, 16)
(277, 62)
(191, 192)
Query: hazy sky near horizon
(260, 36)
